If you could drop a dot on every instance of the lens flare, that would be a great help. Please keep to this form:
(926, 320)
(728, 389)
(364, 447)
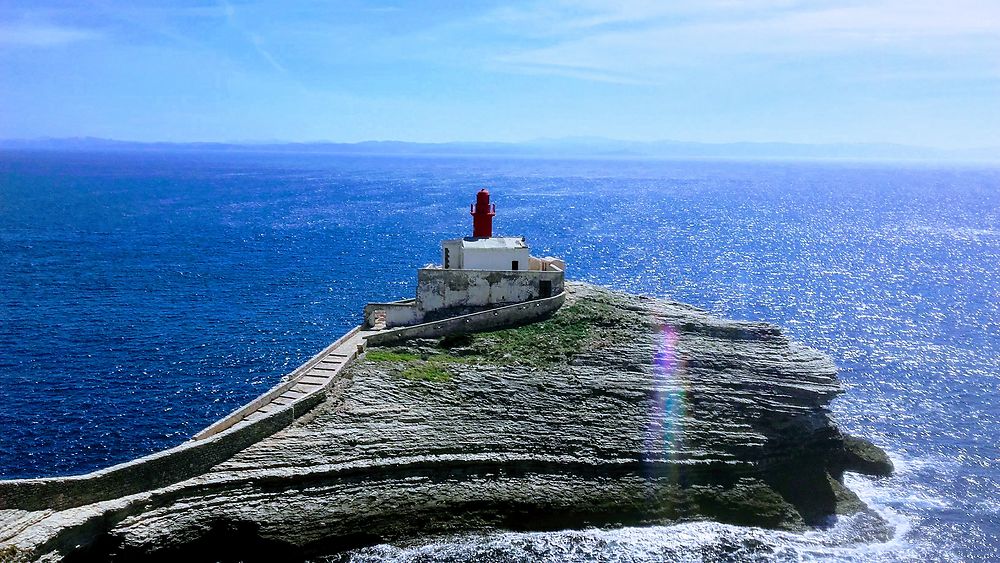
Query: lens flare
(665, 434)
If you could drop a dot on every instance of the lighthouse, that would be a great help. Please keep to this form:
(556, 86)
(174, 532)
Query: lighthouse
(482, 215)
(480, 274)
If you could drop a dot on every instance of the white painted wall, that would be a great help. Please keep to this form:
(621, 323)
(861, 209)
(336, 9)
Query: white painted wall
(451, 254)
(495, 258)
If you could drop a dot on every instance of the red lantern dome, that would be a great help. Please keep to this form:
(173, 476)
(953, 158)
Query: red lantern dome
(482, 215)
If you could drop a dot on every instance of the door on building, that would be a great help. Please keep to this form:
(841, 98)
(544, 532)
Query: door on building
(544, 289)
(513, 264)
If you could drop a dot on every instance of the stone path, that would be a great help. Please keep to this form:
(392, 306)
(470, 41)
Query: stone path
(316, 374)
(317, 377)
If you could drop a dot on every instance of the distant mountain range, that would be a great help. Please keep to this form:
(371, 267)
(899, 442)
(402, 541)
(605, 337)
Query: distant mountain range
(574, 147)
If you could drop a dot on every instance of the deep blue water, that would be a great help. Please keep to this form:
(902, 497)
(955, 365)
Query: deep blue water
(143, 296)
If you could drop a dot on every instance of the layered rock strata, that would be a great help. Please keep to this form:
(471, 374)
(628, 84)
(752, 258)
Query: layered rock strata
(617, 410)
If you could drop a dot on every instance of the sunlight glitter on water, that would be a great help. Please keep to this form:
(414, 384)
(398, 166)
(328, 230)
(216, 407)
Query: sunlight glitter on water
(168, 290)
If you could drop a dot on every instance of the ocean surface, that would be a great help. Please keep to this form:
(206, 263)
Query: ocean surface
(144, 295)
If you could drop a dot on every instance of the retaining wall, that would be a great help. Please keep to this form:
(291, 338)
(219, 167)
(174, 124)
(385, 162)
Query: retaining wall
(438, 288)
(212, 446)
(157, 470)
(501, 317)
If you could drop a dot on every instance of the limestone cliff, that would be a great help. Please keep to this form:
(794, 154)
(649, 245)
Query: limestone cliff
(616, 410)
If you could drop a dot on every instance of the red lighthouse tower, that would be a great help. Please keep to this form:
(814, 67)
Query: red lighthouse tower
(482, 215)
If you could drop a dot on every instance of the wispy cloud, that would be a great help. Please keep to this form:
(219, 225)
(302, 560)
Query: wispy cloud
(589, 74)
(631, 38)
(255, 39)
(43, 35)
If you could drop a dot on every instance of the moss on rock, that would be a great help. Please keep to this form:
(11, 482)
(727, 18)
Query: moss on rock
(583, 326)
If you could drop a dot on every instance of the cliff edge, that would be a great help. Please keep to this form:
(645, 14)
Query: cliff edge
(616, 410)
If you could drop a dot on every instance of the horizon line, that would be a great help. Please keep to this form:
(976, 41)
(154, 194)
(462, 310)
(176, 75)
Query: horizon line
(562, 147)
(571, 138)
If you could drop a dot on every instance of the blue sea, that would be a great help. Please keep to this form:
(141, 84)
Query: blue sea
(145, 294)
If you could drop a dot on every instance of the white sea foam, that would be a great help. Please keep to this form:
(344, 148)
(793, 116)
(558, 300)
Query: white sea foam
(850, 539)
(884, 535)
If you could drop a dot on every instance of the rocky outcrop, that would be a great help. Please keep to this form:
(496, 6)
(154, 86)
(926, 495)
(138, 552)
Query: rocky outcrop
(616, 410)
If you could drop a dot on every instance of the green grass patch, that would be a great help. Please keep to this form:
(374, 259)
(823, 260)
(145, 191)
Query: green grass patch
(417, 366)
(402, 355)
(586, 325)
(426, 371)
(390, 356)
(573, 329)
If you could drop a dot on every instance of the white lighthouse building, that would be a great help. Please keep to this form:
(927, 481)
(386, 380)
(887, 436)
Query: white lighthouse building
(499, 253)
(476, 273)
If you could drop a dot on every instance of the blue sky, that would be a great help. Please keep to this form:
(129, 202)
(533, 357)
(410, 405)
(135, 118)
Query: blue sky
(923, 72)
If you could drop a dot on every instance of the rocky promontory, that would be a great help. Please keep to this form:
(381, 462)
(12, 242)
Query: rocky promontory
(616, 410)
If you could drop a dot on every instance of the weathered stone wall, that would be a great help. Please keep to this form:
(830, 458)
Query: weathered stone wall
(397, 313)
(440, 289)
(446, 289)
(211, 446)
(511, 315)
(150, 472)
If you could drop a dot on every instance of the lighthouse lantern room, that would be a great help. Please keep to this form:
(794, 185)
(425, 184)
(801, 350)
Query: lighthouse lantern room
(482, 215)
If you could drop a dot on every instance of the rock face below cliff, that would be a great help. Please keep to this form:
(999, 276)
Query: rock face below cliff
(616, 410)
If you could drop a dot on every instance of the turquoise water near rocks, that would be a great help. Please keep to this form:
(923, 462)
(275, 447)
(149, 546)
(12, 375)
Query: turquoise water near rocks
(144, 295)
